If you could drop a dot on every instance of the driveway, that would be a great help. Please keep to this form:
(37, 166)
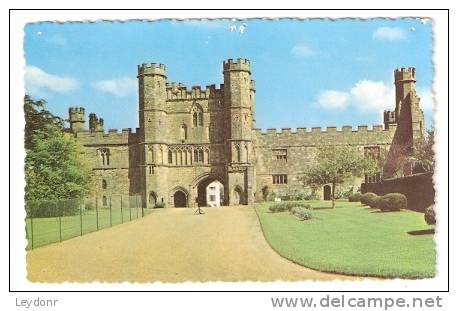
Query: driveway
(171, 245)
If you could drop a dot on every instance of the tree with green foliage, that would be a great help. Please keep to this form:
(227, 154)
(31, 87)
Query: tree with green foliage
(54, 169)
(423, 153)
(335, 165)
(37, 118)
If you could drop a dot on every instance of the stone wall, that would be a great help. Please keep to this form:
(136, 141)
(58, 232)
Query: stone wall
(301, 147)
(419, 189)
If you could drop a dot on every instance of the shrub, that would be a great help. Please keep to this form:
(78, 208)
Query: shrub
(367, 197)
(355, 197)
(430, 215)
(392, 202)
(303, 213)
(286, 206)
(265, 193)
(374, 202)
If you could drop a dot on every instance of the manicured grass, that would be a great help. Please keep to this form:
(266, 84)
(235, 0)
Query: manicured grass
(353, 239)
(50, 230)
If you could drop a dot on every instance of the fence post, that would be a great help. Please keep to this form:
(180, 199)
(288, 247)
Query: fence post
(143, 211)
(111, 218)
(97, 212)
(60, 222)
(130, 213)
(136, 204)
(31, 230)
(81, 219)
(122, 220)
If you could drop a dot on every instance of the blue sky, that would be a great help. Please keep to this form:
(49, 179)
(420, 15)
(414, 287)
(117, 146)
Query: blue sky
(308, 73)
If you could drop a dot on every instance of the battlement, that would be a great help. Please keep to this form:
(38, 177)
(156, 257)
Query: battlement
(147, 69)
(76, 114)
(306, 132)
(178, 91)
(241, 64)
(404, 74)
(72, 110)
(113, 136)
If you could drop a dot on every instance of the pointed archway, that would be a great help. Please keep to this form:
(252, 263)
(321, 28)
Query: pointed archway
(327, 192)
(180, 199)
(209, 190)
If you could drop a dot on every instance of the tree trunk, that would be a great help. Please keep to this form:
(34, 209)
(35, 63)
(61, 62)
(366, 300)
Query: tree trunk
(332, 195)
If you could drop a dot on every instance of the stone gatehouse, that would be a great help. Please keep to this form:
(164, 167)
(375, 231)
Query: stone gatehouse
(191, 141)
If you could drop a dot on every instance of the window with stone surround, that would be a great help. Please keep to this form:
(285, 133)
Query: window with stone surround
(280, 179)
(170, 157)
(104, 154)
(197, 116)
(280, 155)
(104, 184)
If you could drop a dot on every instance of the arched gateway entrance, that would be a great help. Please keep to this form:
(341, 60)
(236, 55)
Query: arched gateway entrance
(210, 192)
(180, 199)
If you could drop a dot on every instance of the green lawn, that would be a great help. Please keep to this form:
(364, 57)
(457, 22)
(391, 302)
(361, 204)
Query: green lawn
(353, 239)
(47, 230)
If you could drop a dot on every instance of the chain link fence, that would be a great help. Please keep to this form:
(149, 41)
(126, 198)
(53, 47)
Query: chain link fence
(55, 221)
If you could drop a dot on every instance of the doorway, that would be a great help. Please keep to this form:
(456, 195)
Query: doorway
(179, 199)
(327, 192)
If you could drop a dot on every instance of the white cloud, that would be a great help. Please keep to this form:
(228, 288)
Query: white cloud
(389, 34)
(426, 98)
(119, 87)
(364, 95)
(331, 99)
(37, 80)
(372, 95)
(301, 50)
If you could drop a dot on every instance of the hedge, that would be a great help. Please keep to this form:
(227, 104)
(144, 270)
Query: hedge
(302, 213)
(367, 198)
(392, 202)
(355, 197)
(286, 206)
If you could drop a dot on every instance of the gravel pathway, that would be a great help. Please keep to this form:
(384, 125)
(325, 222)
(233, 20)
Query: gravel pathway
(171, 245)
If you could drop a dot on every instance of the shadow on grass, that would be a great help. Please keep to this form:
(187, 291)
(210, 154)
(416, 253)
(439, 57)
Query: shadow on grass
(422, 232)
(380, 211)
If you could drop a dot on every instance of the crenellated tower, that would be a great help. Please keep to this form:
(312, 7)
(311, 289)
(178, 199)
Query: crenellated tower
(153, 122)
(408, 118)
(76, 119)
(408, 103)
(239, 99)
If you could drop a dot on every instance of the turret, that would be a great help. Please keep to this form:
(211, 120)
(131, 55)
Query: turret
(152, 97)
(238, 96)
(239, 103)
(404, 81)
(95, 124)
(409, 120)
(76, 119)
